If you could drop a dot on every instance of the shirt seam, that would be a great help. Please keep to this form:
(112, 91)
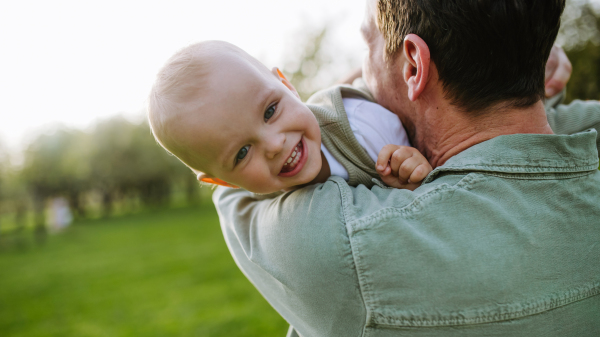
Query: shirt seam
(548, 303)
(585, 166)
(345, 211)
(413, 205)
(473, 168)
(556, 176)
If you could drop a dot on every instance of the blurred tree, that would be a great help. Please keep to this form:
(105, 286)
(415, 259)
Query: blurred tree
(118, 159)
(315, 60)
(4, 165)
(585, 80)
(13, 200)
(157, 171)
(306, 62)
(55, 164)
(579, 24)
(126, 161)
(580, 36)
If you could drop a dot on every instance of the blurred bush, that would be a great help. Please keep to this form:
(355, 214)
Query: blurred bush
(115, 166)
(580, 37)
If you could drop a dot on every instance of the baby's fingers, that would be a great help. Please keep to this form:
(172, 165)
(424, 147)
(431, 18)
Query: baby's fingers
(384, 157)
(390, 180)
(420, 172)
(398, 159)
(407, 167)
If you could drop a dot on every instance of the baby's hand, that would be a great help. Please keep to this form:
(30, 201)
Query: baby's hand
(402, 166)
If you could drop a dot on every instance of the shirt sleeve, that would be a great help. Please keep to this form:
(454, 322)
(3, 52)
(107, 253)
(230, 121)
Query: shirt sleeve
(575, 117)
(295, 250)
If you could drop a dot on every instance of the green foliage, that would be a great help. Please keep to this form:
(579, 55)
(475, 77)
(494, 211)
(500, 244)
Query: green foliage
(579, 24)
(116, 160)
(125, 160)
(164, 273)
(310, 59)
(585, 80)
(4, 167)
(580, 36)
(57, 162)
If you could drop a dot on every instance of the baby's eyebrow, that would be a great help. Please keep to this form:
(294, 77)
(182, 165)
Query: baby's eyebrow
(264, 98)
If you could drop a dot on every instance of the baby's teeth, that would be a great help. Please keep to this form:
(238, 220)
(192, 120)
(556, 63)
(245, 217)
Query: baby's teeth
(289, 160)
(294, 153)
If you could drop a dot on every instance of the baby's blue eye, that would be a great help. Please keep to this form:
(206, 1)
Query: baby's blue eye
(270, 112)
(242, 153)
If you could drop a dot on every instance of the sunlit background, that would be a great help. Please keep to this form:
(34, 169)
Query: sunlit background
(74, 62)
(101, 232)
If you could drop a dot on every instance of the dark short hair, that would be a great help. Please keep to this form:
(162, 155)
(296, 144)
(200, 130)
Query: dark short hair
(486, 51)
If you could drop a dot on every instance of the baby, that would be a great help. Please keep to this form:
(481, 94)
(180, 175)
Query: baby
(237, 124)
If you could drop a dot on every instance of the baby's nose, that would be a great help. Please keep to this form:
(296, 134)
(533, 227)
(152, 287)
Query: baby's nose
(275, 145)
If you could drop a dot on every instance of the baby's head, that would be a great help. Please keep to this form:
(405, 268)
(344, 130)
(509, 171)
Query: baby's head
(232, 121)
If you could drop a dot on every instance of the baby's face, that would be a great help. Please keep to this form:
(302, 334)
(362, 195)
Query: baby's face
(250, 130)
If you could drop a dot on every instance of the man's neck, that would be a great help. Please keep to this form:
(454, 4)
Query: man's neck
(456, 131)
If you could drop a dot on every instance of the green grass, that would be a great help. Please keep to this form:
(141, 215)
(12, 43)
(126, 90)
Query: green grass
(161, 273)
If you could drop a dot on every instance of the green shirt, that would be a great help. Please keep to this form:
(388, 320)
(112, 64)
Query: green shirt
(502, 240)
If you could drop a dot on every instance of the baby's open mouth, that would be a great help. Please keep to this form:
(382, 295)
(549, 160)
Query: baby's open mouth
(293, 159)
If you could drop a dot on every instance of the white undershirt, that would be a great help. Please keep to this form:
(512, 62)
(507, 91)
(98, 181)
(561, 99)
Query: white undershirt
(374, 127)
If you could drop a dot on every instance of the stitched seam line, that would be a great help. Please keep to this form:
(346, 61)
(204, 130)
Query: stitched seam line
(559, 176)
(500, 314)
(360, 278)
(584, 166)
(588, 166)
(411, 207)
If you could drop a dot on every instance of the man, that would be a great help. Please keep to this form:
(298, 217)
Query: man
(502, 237)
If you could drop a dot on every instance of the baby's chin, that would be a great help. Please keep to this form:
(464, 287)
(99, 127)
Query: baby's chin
(311, 175)
(315, 178)
(284, 189)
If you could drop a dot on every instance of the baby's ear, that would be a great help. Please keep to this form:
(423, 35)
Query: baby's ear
(284, 80)
(205, 178)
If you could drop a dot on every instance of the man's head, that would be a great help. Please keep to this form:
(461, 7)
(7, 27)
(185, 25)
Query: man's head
(485, 52)
(229, 118)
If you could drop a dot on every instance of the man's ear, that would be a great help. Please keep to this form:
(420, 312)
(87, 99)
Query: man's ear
(416, 70)
(205, 178)
(284, 80)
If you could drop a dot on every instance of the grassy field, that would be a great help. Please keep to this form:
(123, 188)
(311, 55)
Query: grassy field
(160, 273)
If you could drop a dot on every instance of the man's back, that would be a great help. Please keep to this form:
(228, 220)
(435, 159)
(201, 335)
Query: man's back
(492, 241)
(502, 240)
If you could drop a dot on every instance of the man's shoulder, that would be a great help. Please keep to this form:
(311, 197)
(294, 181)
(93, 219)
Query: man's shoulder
(296, 251)
(332, 201)
(318, 196)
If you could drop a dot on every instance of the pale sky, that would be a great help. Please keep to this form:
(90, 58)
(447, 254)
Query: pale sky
(74, 62)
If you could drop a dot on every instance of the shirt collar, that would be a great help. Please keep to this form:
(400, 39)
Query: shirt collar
(526, 154)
